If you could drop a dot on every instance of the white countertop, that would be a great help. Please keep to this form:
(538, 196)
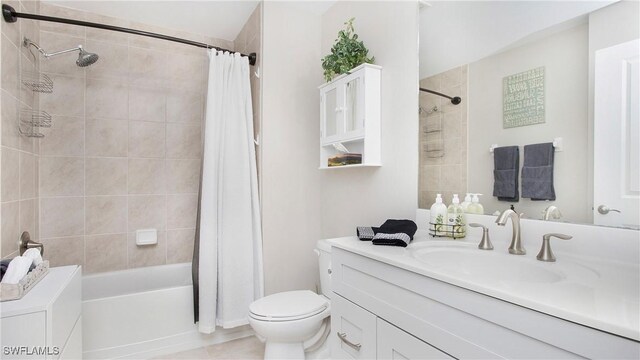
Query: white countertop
(600, 294)
(42, 294)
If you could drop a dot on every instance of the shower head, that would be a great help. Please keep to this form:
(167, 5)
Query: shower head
(85, 58)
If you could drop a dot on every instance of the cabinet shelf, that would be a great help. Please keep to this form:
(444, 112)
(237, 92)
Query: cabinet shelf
(350, 116)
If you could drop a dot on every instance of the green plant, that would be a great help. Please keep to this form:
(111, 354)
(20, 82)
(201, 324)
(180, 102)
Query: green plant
(347, 52)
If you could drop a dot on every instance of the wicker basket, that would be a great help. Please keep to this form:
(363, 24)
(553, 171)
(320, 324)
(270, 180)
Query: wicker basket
(10, 292)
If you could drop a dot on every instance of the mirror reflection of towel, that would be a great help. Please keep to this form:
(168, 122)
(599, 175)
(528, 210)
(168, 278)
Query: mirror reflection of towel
(537, 172)
(506, 161)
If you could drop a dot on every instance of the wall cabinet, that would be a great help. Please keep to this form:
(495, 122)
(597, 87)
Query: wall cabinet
(350, 115)
(46, 322)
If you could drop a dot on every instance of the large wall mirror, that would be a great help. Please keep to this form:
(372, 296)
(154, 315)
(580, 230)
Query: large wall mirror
(533, 72)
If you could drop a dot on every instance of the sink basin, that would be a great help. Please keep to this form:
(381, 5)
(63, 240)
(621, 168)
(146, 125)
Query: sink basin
(467, 261)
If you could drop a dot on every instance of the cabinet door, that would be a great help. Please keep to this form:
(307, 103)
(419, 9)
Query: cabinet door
(332, 112)
(394, 343)
(353, 330)
(354, 104)
(22, 335)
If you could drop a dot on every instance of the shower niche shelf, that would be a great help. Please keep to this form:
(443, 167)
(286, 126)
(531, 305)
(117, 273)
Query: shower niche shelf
(350, 118)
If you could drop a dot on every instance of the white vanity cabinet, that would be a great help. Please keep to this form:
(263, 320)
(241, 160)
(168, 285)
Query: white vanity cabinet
(350, 115)
(46, 322)
(418, 317)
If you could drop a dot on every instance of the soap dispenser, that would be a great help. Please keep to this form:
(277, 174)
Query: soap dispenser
(438, 217)
(467, 201)
(475, 207)
(455, 219)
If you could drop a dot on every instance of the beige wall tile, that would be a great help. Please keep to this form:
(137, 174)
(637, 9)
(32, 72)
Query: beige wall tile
(61, 176)
(183, 176)
(28, 217)
(107, 35)
(106, 137)
(27, 65)
(147, 212)
(183, 141)
(184, 107)
(147, 176)
(63, 12)
(180, 245)
(106, 99)
(450, 178)
(64, 250)
(9, 65)
(147, 255)
(10, 134)
(182, 66)
(105, 253)
(61, 216)
(146, 67)
(181, 211)
(11, 30)
(72, 88)
(10, 227)
(10, 174)
(64, 138)
(106, 176)
(106, 215)
(146, 139)
(112, 62)
(27, 176)
(147, 104)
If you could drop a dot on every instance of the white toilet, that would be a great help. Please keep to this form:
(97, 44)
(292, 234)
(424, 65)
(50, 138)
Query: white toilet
(293, 322)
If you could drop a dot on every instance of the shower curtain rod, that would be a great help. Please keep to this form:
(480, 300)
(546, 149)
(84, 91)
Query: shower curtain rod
(454, 100)
(11, 15)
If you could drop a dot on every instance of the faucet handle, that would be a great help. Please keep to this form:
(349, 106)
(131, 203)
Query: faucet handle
(545, 253)
(485, 243)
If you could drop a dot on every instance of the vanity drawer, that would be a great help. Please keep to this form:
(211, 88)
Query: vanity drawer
(353, 330)
(394, 343)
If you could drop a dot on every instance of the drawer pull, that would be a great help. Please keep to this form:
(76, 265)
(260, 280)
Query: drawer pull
(343, 337)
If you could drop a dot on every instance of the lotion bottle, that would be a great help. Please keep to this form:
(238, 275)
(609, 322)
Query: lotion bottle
(455, 219)
(467, 201)
(476, 207)
(438, 217)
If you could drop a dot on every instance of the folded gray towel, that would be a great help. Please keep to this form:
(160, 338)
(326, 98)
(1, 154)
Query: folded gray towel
(537, 172)
(506, 161)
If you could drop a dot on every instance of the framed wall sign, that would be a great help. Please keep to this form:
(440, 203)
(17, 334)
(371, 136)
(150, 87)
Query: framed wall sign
(523, 98)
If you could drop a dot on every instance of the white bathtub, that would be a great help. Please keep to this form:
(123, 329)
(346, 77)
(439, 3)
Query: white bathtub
(140, 313)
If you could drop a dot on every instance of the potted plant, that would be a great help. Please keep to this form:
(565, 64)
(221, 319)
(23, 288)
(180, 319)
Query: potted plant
(347, 53)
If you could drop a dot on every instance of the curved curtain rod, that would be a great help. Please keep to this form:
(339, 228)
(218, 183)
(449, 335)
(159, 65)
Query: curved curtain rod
(454, 100)
(10, 15)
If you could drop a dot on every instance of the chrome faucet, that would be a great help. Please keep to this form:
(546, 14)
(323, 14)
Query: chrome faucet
(552, 212)
(516, 241)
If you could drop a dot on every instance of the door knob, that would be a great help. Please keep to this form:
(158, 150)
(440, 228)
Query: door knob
(604, 210)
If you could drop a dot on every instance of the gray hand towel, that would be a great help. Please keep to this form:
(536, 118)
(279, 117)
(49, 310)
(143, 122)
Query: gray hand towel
(506, 161)
(537, 172)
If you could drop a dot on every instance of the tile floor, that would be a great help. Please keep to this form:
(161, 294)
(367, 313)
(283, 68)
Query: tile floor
(249, 348)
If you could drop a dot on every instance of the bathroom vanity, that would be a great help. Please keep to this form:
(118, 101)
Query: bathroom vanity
(46, 323)
(448, 299)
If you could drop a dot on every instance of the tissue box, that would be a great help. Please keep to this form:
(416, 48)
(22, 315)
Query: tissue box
(345, 159)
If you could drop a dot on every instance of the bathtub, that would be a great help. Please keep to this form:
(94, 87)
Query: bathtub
(141, 313)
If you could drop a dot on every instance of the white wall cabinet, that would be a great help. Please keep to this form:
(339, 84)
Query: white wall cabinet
(46, 322)
(350, 115)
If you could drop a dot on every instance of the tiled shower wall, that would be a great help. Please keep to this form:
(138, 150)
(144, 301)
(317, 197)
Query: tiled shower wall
(124, 150)
(443, 138)
(18, 154)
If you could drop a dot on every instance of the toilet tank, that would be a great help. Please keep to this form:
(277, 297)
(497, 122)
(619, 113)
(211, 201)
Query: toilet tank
(323, 249)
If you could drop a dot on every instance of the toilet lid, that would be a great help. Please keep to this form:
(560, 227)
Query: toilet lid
(289, 304)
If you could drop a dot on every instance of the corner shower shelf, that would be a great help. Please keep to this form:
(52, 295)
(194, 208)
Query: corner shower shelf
(350, 116)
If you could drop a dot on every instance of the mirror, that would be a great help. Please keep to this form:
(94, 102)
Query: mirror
(531, 73)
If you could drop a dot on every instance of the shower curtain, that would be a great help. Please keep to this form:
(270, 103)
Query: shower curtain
(227, 263)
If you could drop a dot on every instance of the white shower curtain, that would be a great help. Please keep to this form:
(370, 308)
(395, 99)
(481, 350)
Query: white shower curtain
(230, 273)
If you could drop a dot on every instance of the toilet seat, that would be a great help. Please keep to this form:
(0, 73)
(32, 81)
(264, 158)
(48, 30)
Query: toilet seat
(288, 306)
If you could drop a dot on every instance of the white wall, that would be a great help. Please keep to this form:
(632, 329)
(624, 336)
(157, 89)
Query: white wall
(290, 141)
(609, 26)
(368, 196)
(565, 58)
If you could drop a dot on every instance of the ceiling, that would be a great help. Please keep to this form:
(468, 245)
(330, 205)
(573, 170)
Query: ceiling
(454, 33)
(220, 19)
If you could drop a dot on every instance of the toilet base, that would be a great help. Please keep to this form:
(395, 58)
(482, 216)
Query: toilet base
(274, 351)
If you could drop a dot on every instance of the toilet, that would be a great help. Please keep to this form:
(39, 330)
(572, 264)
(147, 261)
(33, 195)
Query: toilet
(293, 322)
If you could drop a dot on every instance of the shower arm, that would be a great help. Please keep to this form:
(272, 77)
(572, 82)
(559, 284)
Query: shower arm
(47, 55)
